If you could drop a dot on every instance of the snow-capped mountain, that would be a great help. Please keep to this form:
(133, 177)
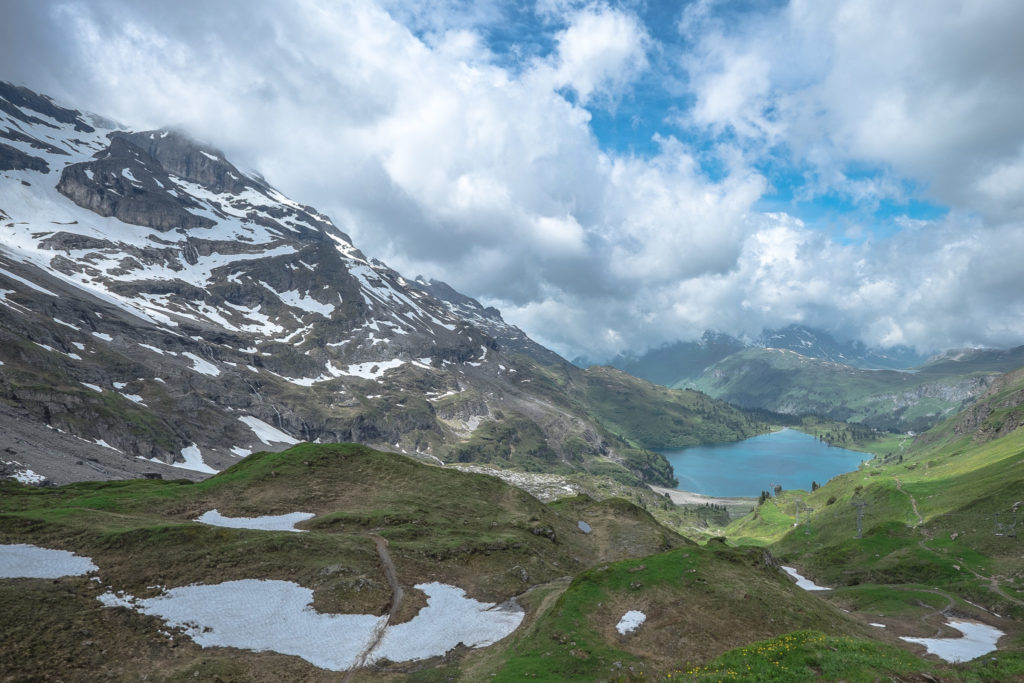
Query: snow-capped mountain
(161, 308)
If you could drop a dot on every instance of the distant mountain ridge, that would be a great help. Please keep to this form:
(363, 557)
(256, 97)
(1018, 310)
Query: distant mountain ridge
(673, 363)
(798, 370)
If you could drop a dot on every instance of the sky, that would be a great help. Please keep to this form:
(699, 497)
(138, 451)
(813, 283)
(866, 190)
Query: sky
(613, 176)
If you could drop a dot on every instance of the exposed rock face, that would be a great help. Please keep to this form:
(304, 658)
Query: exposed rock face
(999, 411)
(128, 184)
(185, 159)
(12, 159)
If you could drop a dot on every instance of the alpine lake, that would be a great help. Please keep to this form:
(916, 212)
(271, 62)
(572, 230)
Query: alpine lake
(787, 457)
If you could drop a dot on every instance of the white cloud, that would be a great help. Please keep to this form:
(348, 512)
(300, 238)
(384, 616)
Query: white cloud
(444, 159)
(600, 52)
(930, 92)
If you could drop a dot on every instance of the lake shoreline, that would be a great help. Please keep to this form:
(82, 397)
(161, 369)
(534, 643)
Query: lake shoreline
(787, 458)
(690, 498)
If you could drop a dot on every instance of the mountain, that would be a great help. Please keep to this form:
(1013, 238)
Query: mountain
(798, 370)
(674, 364)
(815, 343)
(784, 381)
(164, 313)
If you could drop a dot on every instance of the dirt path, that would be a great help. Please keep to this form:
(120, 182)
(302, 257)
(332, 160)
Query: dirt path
(913, 502)
(397, 594)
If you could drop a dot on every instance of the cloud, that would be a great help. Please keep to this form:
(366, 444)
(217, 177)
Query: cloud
(600, 52)
(928, 92)
(457, 140)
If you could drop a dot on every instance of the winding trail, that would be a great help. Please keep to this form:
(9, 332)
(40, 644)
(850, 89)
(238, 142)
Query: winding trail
(913, 502)
(397, 595)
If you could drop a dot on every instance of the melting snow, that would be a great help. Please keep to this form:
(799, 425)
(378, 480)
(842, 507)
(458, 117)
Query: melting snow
(977, 640)
(260, 615)
(27, 476)
(371, 370)
(154, 349)
(584, 527)
(268, 434)
(278, 616)
(202, 366)
(193, 461)
(630, 621)
(92, 386)
(264, 523)
(23, 561)
(801, 582)
(18, 278)
(448, 619)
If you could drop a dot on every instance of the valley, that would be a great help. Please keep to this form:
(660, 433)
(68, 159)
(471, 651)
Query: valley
(276, 458)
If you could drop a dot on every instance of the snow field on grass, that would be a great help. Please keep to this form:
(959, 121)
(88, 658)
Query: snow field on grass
(24, 561)
(448, 619)
(278, 616)
(268, 434)
(978, 639)
(630, 621)
(261, 615)
(263, 523)
(801, 582)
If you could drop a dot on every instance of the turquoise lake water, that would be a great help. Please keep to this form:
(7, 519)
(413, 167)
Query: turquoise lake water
(745, 468)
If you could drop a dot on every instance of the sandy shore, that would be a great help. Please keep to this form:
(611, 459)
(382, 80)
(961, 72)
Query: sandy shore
(690, 498)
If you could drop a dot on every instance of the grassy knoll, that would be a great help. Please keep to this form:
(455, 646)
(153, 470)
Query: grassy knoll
(814, 656)
(699, 602)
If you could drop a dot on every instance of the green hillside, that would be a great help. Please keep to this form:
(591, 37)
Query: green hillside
(941, 524)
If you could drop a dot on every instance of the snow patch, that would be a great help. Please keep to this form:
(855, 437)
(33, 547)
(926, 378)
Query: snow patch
(28, 477)
(268, 434)
(18, 278)
(92, 386)
(24, 561)
(448, 619)
(263, 523)
(371, 370)
(801, 582)
(630, 621)
(193, 461)
(977, 639)
(202, 366)
(278, 616)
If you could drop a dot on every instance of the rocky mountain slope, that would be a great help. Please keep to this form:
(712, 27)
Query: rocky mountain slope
(161, 308)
